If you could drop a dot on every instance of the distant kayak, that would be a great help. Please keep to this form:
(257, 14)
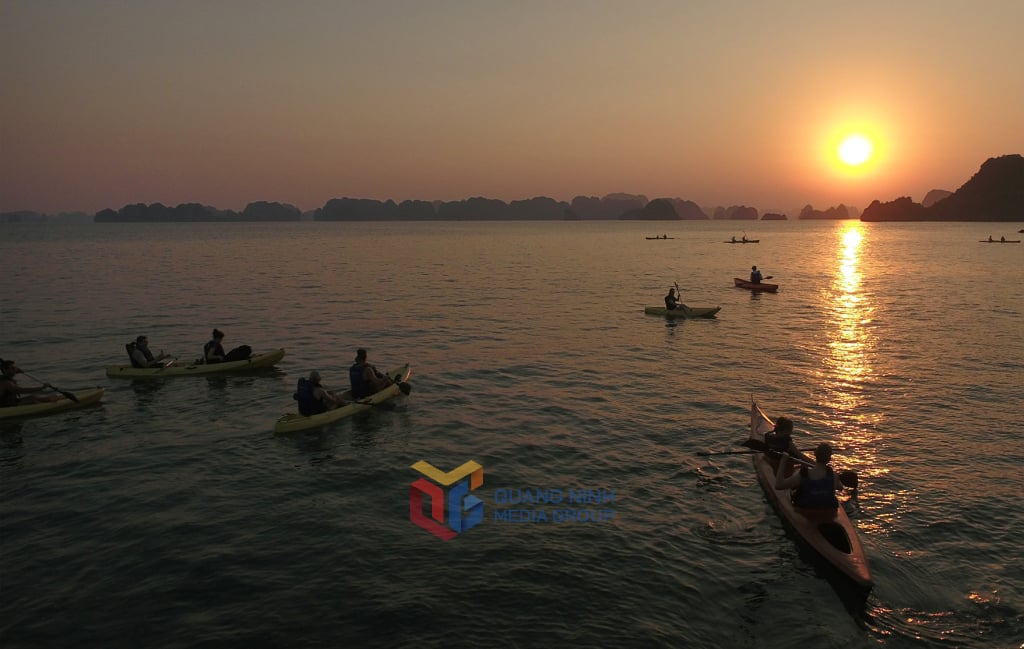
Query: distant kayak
(256, 361)
(85, 398)
(293, 422)
(649, 238)
(747, 241)
(742, 283)
(1000, 240)
(684, 311)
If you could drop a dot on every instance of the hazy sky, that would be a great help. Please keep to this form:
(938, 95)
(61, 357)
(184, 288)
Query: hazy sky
(722, 102)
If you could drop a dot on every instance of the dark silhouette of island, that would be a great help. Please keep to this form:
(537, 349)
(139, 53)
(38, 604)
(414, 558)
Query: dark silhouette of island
(934, 196)
(838, 212)
(995, 193)
(142, 213)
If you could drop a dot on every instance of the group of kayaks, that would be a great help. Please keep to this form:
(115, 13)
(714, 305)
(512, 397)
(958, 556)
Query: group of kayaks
(288, 423)
(683, 311)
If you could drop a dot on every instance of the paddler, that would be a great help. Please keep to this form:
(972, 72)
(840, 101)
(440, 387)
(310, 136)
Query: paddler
(11, 393)
(816, 486)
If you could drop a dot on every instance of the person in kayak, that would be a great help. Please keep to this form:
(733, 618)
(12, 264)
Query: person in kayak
(814, 487)
(313, 398)
(12, 394)
(755, 275)
(141, 356)
(365, 378)
(671, 302)
(780, 440)
(213, 351)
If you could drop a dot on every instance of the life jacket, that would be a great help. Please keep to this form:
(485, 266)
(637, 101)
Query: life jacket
(777, 441)
(130, 348)
(308, 403)
(816, 494)
(360, 388)
(213, 347)
(9, 398)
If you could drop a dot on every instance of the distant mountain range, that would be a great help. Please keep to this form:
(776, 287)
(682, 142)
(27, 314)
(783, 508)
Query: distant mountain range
(995, 193)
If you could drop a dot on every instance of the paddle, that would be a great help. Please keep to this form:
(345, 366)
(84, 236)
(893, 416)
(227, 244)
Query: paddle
(705, 453)
(66, 395)
(848, 478)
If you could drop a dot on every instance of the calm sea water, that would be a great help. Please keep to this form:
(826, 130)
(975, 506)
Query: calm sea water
(171, 516)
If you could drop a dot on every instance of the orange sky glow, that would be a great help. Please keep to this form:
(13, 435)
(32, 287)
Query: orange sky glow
(107, 104)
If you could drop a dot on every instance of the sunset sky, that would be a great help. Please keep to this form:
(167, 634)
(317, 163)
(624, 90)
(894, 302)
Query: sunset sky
(720, 102)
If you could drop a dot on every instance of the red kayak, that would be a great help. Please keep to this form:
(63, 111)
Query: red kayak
(755, 286)
(829, 532)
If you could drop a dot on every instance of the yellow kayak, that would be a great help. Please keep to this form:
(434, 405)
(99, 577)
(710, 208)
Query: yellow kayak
(294, 422)
(256, 361)
(85, 398)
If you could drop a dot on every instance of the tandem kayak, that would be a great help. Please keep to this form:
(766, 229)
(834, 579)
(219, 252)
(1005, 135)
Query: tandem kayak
(684, 311)
(256, 361)
(999, 241)
(829, 532)
(85, 398)
(746, 241)
(755, 286)
(294, 422)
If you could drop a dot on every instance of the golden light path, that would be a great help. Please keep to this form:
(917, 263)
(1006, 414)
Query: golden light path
(847, 368)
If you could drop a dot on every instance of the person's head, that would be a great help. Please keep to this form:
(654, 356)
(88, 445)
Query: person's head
(753, 268)
(218, 334)
(360, 355)
(784, 426)
(823, 453)
(8, 368)
(672, 291)
(314, 377)
(141, 340)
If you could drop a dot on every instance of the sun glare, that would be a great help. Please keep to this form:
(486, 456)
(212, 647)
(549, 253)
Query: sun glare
(855, 150)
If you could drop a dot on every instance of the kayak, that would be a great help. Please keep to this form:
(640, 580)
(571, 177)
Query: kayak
(294, 422)
(256, 361)
(829, 532)
(742, 283)
(747, 241)
(85, 398)
(684, 311)
(662, 238)
(1001, 241)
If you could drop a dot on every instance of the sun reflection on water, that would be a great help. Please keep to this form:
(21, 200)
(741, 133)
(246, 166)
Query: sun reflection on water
(846, 368)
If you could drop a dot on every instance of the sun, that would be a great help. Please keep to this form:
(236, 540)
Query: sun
(855, 149)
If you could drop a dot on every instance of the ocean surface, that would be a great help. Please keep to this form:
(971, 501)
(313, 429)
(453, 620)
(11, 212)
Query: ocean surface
(170, 515)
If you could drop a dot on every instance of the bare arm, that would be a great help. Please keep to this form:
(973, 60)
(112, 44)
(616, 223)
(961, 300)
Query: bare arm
(783, 482)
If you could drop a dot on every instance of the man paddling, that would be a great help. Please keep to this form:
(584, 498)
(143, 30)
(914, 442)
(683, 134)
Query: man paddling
(365, 378)
(671, 301)
(11, 394)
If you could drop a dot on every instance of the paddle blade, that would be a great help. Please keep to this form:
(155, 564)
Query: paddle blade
(404, 388)
(68, 395)
(848, 478)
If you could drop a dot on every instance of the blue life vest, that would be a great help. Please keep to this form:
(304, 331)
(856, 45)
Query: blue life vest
(308, 403)
(360, 388)
(816, 494)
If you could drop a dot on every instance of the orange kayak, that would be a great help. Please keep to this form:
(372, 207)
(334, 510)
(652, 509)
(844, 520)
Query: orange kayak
(829, 532)
(761, 286)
